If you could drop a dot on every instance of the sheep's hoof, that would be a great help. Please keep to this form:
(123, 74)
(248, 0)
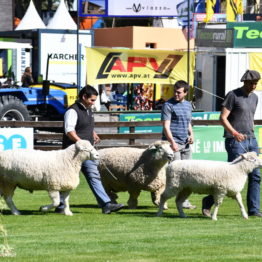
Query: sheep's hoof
(16, 213)
(183, 216)
(214, 218)
(43, 209)
(159, 214)
(165, 207)
(68, 213)
(132, 207)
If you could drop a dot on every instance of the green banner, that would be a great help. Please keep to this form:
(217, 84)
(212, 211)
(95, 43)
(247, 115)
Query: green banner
(247, 34)
(209, 140)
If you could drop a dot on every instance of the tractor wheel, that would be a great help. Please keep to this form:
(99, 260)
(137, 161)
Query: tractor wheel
(11, 108)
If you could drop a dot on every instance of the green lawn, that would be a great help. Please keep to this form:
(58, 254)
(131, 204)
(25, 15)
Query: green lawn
(129, 235)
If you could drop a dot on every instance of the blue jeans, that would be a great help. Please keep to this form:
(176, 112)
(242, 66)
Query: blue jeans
(234, 149)
(92, 175)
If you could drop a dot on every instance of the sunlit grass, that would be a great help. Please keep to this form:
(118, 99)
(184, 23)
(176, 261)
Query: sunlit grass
(128, 235)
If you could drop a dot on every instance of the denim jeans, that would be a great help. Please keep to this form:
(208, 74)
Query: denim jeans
(184, 152)
(234, 149)
(92, 175)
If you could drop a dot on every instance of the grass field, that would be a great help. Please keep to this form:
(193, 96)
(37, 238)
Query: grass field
(129, 235)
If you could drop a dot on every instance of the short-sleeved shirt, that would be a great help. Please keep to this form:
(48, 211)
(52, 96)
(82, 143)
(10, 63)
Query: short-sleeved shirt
(180, 115)
(242, 109)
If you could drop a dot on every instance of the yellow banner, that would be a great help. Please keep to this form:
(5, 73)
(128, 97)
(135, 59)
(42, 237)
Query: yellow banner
(107, 65)
(234, 7)
(255, 63)
(210, 6)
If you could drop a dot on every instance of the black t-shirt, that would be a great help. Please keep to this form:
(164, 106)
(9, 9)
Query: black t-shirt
(242, 109)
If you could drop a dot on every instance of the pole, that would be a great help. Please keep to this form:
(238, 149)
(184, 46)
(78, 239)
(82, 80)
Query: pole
(188, 41)
(78, 64)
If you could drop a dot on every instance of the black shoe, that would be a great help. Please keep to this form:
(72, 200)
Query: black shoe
(109, 207)
(255, 214)
(60, 209)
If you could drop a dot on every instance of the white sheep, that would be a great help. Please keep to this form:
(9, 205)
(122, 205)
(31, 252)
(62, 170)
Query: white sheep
(53, 171)
(215, 178)
(135, 169)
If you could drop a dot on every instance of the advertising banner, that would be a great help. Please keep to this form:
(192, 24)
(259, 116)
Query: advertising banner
(142, 8)
(215, 37)
(247, 34)
(255, 61)
(60, 51)
(107, 65)
(16, 138)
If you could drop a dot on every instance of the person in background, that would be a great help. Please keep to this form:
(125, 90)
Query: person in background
(79, 124)
(176, 115)
(237, 118)
(27, 78)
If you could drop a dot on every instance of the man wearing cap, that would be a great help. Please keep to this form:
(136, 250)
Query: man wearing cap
(237, 118)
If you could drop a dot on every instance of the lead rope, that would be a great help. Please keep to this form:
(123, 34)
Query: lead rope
(103, 163)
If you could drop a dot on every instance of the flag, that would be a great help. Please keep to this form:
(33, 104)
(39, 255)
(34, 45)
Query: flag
(182, 12)
(234, 7)
(210, 9)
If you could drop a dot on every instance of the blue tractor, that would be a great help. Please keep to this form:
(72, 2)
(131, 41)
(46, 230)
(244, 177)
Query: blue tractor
(37, 102)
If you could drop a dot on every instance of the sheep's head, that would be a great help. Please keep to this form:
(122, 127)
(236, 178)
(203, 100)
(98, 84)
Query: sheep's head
(161, 150)
(252, 157)
(87, 150)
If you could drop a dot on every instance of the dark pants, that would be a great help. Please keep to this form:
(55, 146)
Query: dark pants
(234, 149)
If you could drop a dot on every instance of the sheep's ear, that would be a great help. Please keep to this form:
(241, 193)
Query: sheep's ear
(151, 147)
(249, 157)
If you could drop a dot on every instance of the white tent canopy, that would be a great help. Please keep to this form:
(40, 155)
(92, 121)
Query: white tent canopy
(31, 19)
(62, 19)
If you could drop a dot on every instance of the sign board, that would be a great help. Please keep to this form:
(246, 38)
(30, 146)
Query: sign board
(16, 138)
(137, 66)
(247, 34)
(143, 8)
(61, 49)
(157, 117)
(215, 37)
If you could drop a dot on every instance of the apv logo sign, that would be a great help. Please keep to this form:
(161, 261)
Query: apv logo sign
(16, 138)
(114, 62)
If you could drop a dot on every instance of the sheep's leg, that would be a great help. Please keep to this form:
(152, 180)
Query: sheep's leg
(55, 197)
(168, 193)
(155, 196)
(180, 199)
(7, 192)
(67, 210)
(113, 196)
(238, 198)
(133, 196)
(218, 201)
(11, 205)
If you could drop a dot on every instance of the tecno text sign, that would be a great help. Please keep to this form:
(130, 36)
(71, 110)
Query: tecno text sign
(247, 34)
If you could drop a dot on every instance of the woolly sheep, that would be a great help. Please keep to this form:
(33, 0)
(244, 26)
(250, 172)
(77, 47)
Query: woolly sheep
(53, 171)
(216, 178)
(135, 169)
